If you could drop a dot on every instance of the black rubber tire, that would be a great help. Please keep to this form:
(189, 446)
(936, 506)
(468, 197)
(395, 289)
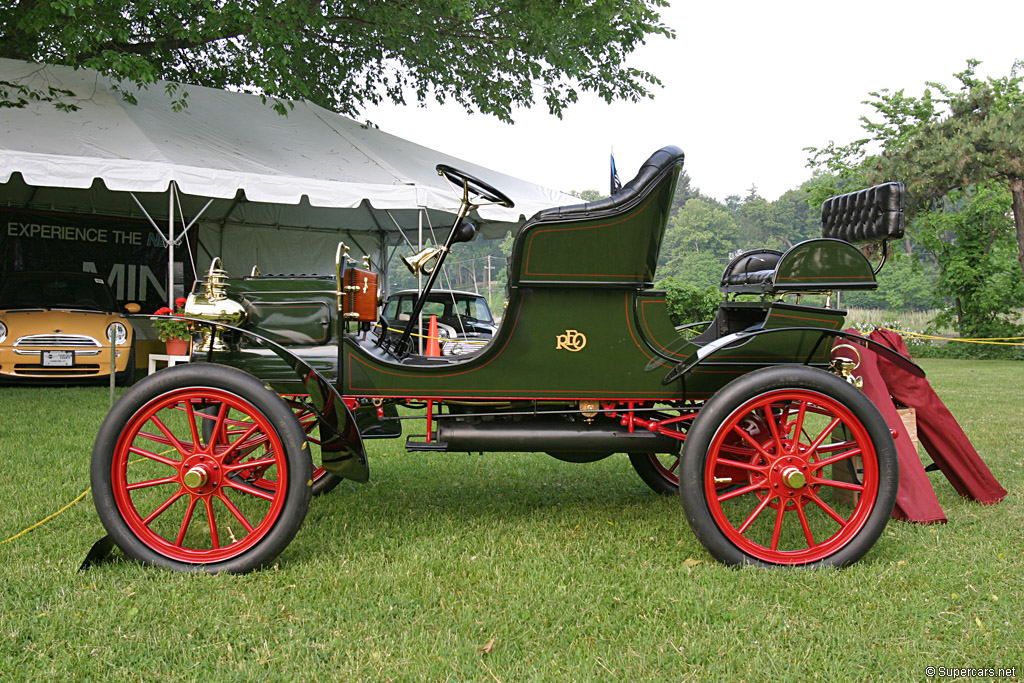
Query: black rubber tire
(126, 378)
(653, 470)
(728, 403)
(254, 395)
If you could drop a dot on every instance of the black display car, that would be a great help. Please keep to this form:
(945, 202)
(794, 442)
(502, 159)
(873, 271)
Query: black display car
(464, 321)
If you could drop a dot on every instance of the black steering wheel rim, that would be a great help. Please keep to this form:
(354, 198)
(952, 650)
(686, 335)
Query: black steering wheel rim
(475, 185)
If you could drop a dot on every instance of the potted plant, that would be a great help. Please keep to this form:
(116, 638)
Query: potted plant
(171, 330)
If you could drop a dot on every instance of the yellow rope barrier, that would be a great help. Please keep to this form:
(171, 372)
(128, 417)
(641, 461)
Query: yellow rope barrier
(1000, 341)
(82, 495)
(47, 519)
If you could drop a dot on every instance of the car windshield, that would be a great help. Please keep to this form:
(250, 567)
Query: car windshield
(441, 304)
(56, 290)
(473, 307)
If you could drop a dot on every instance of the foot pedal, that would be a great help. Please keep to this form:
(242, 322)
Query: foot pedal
(438, 446)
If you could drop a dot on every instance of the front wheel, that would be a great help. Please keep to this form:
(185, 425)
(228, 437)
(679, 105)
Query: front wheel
(171, 498)
(756, 474)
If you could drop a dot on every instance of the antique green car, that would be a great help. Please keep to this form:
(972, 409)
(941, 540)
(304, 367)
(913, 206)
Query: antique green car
(778, 457)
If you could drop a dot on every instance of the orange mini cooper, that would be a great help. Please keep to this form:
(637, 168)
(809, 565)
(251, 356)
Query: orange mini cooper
(55, 328)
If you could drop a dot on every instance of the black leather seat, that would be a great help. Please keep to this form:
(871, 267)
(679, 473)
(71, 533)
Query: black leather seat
(659, 163)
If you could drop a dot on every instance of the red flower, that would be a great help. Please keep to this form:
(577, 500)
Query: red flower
(162, 311)
(180, 302)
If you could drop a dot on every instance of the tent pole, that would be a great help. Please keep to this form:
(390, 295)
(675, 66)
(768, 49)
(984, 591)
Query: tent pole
(170, 246)
(419, 280)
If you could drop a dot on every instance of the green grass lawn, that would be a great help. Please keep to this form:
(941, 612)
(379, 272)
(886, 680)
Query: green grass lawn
(505, 568)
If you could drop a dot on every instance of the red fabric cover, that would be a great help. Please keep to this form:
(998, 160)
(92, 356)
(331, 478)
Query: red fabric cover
(915, 497)
(937, 429)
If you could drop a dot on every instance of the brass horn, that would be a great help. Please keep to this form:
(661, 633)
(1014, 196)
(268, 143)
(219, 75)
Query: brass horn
(417, 263)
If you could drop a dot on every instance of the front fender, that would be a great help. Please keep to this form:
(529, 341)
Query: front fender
(341, 445)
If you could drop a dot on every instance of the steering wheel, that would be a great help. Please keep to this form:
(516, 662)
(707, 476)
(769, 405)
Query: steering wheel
(475, 185)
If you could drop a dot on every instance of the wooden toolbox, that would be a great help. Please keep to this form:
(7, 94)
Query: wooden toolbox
(360, 300)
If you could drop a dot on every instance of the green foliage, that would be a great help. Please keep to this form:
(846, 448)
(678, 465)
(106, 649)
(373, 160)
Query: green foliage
(904, 283)
(956, 139)
(973, 239)
(689, 303)
(345, 54)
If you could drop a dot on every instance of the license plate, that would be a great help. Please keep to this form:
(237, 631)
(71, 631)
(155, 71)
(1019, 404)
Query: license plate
(58, 359)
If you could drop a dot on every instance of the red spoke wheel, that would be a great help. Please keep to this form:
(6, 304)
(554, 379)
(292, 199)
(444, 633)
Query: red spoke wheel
(756, 472)
(231, 501)
(323, 481)
(660, 471)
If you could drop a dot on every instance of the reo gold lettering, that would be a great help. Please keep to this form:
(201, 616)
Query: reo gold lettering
(570, 341)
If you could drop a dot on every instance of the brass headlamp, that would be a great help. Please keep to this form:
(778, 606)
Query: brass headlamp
(214, 305)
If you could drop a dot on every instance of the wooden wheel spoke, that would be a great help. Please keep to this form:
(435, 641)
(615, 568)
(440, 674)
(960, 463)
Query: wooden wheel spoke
(740, 465)
(163, 460)
(755, 514)
(214, 538)
(171, 438)
(245, 488)
(238, 443)
(828, 510)
(173, 479)
(813, 448)
(740, 492)
(773, 427)
(185, 521)
(804, 525)
(233, 509)
(818, 464)
(799, 427)
(849, 486)
(190, 411)
(163, 507)
(749, 439)
(265, 463)
(777, 530)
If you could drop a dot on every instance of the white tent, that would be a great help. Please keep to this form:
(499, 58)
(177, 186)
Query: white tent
(262, 188)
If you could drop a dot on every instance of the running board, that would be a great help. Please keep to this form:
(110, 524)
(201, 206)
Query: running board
(437, 446)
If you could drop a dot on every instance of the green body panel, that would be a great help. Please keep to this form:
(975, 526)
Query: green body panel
(605, 343)
(821, 264)
(291, 310)
(554, 343)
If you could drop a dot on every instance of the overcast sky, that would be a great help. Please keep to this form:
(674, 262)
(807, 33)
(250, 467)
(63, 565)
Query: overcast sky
(747, 85)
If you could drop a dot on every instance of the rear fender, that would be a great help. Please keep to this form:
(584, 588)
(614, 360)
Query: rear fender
(341, 445)
(709, 350)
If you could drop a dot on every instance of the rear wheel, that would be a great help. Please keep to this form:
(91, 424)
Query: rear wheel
(756, 470)
(170, 498)
(660, 471)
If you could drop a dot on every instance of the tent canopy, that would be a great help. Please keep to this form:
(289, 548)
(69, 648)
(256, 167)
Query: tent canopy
(312, 170)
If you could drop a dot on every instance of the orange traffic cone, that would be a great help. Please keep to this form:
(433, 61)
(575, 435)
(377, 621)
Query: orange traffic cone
(433, 346)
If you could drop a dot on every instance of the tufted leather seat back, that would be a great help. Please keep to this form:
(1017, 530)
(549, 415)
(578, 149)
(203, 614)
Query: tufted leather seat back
(869, 215)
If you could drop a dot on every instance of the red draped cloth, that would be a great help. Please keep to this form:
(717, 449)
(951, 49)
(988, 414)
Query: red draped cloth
(915, 497)
(937, 429)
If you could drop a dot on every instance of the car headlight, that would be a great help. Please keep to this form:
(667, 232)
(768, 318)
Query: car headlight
(119, 332)
(3, 331)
